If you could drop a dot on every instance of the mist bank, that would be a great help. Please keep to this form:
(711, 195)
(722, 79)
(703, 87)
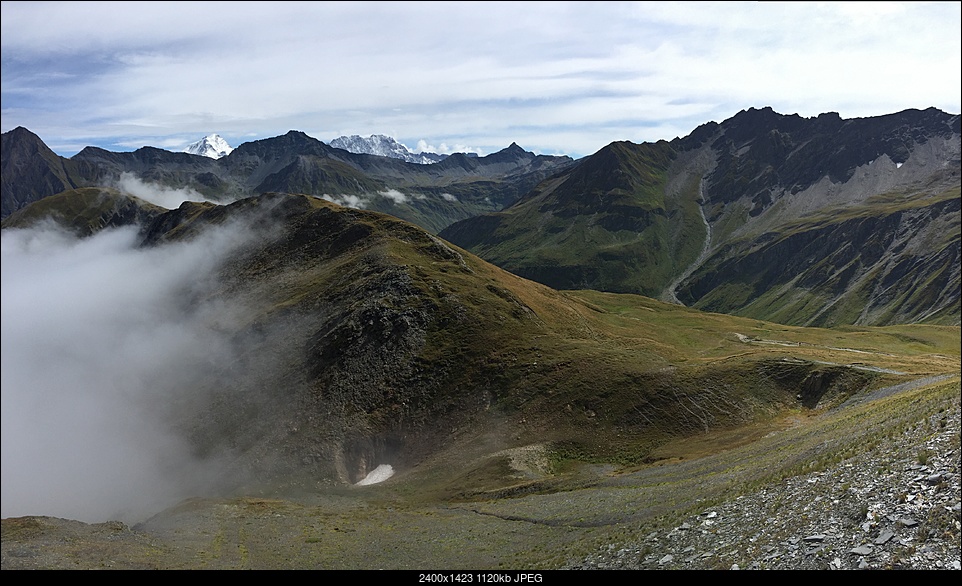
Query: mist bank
(103, 340)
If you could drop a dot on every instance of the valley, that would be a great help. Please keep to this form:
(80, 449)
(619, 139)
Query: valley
(491, 329)
(714, 501)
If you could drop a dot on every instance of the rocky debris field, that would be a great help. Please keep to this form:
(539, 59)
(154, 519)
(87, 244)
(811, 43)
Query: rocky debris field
(894, 506)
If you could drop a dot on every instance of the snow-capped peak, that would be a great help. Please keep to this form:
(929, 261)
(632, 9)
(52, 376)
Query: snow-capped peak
(212, 146)
(383, 146)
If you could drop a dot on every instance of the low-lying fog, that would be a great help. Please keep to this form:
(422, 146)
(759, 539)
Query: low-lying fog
(98, 337)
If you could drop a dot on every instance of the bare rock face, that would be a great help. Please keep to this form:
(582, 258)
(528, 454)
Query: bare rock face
(30, 171)
(827, 221)
(761, 154)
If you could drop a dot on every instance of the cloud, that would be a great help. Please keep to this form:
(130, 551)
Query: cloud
(448, 197)
(394, 195)
(101, 341)
(166, 197)
(134, 75)
(444, 149)
(347, 200)
(361, 201)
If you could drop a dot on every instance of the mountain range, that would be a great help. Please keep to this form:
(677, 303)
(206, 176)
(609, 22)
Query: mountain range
(384, 146)
(386, 337)
(433, 195)
(818, 221)
(807, 221)
(491, 327)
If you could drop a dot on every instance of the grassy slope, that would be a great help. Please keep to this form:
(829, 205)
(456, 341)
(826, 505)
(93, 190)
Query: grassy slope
(613, 376)
(401, 525)
(85, 210)
(822, 293)
(600, 381)
(607, 224)
(396, 331)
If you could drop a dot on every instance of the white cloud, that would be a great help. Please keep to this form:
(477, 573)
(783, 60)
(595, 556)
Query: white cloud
(166, 197)
(140, 74)
(100, 339)
(445, 149)
(448, 197)
(347, 200)
(394, 195)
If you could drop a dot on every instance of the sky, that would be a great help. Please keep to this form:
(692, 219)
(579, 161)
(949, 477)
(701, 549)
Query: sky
(557, 78)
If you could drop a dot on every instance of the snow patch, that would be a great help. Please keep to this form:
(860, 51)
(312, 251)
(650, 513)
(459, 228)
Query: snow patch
(379, 474)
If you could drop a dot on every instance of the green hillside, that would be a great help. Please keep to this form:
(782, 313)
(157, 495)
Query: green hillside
(608, 225)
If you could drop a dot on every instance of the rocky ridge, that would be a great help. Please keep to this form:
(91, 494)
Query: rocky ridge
(384, 146)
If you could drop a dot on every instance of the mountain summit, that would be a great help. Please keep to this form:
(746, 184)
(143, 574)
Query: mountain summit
(383, 146)
(212, 146)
